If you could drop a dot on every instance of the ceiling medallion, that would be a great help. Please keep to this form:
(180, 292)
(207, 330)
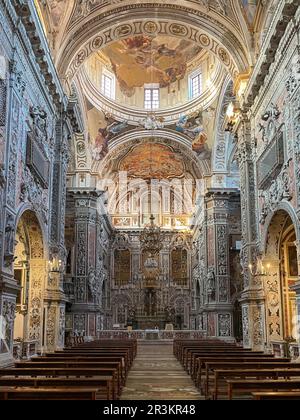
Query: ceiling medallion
(150, 27)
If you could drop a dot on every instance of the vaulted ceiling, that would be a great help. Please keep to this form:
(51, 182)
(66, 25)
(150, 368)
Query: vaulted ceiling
(76, 28)
(154, 41)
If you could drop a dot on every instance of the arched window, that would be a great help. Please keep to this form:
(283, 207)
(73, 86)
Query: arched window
(195, 84)
(108, 84)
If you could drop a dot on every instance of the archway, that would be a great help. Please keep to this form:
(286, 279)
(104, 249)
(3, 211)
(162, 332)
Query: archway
(282, 274)
(29, 272)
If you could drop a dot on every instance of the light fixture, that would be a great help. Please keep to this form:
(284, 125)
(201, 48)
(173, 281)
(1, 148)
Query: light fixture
(232, 114)
(55, 264)
(258, 269)
(152, 238)
(230, 110)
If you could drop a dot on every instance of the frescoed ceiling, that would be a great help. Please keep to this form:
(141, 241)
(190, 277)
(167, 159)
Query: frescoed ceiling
(144, 59)
(152, 161)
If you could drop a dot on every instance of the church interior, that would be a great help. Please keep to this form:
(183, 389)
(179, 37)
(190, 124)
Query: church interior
(149, 199)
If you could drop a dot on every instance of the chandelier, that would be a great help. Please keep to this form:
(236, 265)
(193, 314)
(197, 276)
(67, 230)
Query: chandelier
(152, 238)
(258, 269)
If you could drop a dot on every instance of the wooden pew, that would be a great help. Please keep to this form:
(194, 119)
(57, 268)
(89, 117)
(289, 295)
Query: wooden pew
(105, 353)
(257, 373)
(290, 395)
(192, 368)
(251, 385)
(63, 365)
(86, 366)
(179, 345)
(104, 384)
(201, 363)
(50, 394)
(118, 349)
(105, 362)
(231, 365)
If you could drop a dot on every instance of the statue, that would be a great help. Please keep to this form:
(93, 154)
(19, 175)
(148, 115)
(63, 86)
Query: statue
(2, 175)
(94, 285)
(39, 118)
(152, 123)
(80, 291)
(9, 236)
(211, 283)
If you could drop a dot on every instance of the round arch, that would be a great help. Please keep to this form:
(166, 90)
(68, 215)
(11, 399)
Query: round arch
(280, 306)
(286, 207)
(30, 270)
(170, 137)
(27, 209)
(216, 34)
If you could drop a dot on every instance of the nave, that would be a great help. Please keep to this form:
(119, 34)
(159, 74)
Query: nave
(157, 375)
(149, 187)
(123, 369)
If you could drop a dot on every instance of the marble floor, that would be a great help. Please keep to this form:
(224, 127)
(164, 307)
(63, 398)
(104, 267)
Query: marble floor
(157, 375)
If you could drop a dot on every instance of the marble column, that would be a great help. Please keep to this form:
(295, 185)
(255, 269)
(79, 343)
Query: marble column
(252, 299)
(88, 276)
(55, 299)
(12, 126)
(218, 309)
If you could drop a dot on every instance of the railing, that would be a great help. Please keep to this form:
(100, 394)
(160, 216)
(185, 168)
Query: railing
(285, 349)
(142, 334)
(24, 349)
(294, 351)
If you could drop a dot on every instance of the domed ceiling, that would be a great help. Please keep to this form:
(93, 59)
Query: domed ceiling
(144, 59)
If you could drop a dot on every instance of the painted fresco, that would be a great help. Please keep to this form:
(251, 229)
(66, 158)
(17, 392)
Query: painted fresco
(58, 8)
(192, 126)
(155, 161)
(144, 59)
(110, 128)
(250, 9)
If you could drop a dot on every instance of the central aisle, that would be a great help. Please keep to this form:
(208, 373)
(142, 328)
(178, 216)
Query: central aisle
(157, 375)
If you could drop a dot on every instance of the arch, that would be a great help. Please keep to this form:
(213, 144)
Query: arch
(282, 206)
(216, 33)
(169, 137)
(28, 209)
(31, 275)
(280, 225)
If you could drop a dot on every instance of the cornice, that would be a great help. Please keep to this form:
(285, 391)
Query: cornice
(135, 115)
(286, 15)
(32, 32)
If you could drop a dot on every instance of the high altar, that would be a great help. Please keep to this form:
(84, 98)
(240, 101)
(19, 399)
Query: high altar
(152, 279)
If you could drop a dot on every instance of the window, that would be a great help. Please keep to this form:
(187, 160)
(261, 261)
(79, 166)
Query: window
(151, 98)
(195, 88)
(108, 85)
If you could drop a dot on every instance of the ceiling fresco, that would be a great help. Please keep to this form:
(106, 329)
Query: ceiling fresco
(250, 7)
(144, 59)
(190, 125)
(153, 161)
